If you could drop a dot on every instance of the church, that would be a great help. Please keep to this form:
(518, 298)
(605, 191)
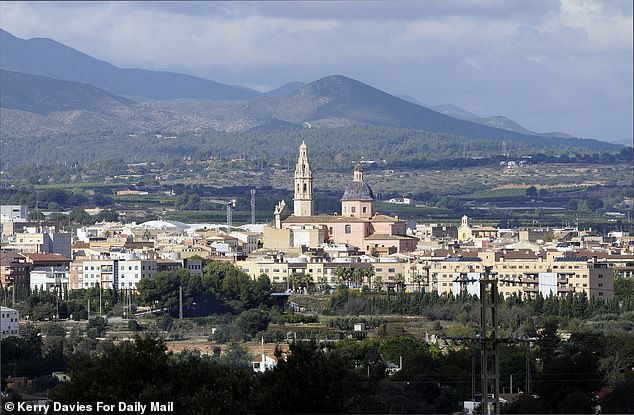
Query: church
(358, 225)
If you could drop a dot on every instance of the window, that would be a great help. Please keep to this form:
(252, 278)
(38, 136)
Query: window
(348, 229)
(353, 209)
(600, 284)
(390, 270)
(365, 209)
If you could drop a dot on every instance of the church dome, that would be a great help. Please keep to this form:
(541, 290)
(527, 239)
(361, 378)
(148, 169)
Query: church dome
(358, 190)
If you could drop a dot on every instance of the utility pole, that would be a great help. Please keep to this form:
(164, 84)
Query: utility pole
(100, 290)
(252, 206)
(180, 302)
(489, 350)
(88, 308)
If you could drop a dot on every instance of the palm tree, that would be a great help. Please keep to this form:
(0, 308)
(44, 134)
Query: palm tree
(358, 275)
(369, 275)
(400, 282)
(378, 282)
(322, 284)
(418, 279)
(343, 276)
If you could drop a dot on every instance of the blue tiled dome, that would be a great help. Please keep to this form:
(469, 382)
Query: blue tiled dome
(358, 190)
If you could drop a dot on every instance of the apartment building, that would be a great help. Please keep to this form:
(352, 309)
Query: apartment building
(525, 274)
(9, 322)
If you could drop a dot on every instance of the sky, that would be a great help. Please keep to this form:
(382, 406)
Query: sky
(549, 65)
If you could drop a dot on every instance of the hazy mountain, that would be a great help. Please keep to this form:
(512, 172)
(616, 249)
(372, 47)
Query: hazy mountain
(341, 101)
(498, 121)
(42, 95)
(454, 111)
(46, 57)
(285, 89)
(411, 99)
(505, 123)
(35, 105)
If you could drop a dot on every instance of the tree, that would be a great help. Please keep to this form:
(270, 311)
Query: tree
(532, 192)
(399, 280)
(378, 282)
(343, 276)
(418, 279)
(253, 321)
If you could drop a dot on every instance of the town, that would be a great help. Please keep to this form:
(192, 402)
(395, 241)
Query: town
(303, 255)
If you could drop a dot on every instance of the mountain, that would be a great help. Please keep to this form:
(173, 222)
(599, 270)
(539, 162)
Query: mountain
(336, 101)
(454, 111)
(498, 121)
(505, 123)
(42, 95)
(407, 97)
(46, 57)
(285, 89)
(36, 105)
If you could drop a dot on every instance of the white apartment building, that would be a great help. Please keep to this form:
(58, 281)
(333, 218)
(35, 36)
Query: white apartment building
(110, 273)
(9, 322)
(14, 213)
(50, 279)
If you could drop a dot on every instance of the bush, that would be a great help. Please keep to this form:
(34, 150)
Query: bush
(253, 321)
(134, 326)
(99, 324)
(164, 322)
(226, 333)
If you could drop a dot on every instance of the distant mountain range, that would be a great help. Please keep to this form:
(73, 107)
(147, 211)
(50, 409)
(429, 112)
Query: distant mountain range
(47, 86)
(498, 121)
(46, 57)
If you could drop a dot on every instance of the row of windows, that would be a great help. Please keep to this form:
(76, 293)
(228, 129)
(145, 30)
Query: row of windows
(136, 267)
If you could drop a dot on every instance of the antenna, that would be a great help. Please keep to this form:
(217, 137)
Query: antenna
(252, 206)
(180, 302)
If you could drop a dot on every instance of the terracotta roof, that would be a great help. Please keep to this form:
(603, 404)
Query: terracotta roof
(385, 237)
(384, 218)
(521, 254)
(9, 256)
(81, 245)
(321, 219)
(46, 257)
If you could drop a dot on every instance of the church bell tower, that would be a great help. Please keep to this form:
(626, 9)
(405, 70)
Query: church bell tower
(303, 201)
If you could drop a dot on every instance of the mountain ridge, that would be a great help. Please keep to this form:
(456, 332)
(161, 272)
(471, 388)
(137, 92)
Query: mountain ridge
(49, 58)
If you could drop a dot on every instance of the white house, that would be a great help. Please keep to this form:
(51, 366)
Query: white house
(9, 322)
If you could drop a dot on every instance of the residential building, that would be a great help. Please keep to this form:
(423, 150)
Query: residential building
(54, 279)
(9, 322)
(14, 213)
(14, 268)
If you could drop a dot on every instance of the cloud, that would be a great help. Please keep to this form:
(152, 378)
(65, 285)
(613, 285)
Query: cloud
(541, 62)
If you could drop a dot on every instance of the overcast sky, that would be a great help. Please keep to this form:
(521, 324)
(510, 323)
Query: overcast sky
(549, 65)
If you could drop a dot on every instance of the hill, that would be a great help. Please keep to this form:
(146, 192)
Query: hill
(337, 101)
(46, 57)
(286, 89)
(42, 95)
(505, 123)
